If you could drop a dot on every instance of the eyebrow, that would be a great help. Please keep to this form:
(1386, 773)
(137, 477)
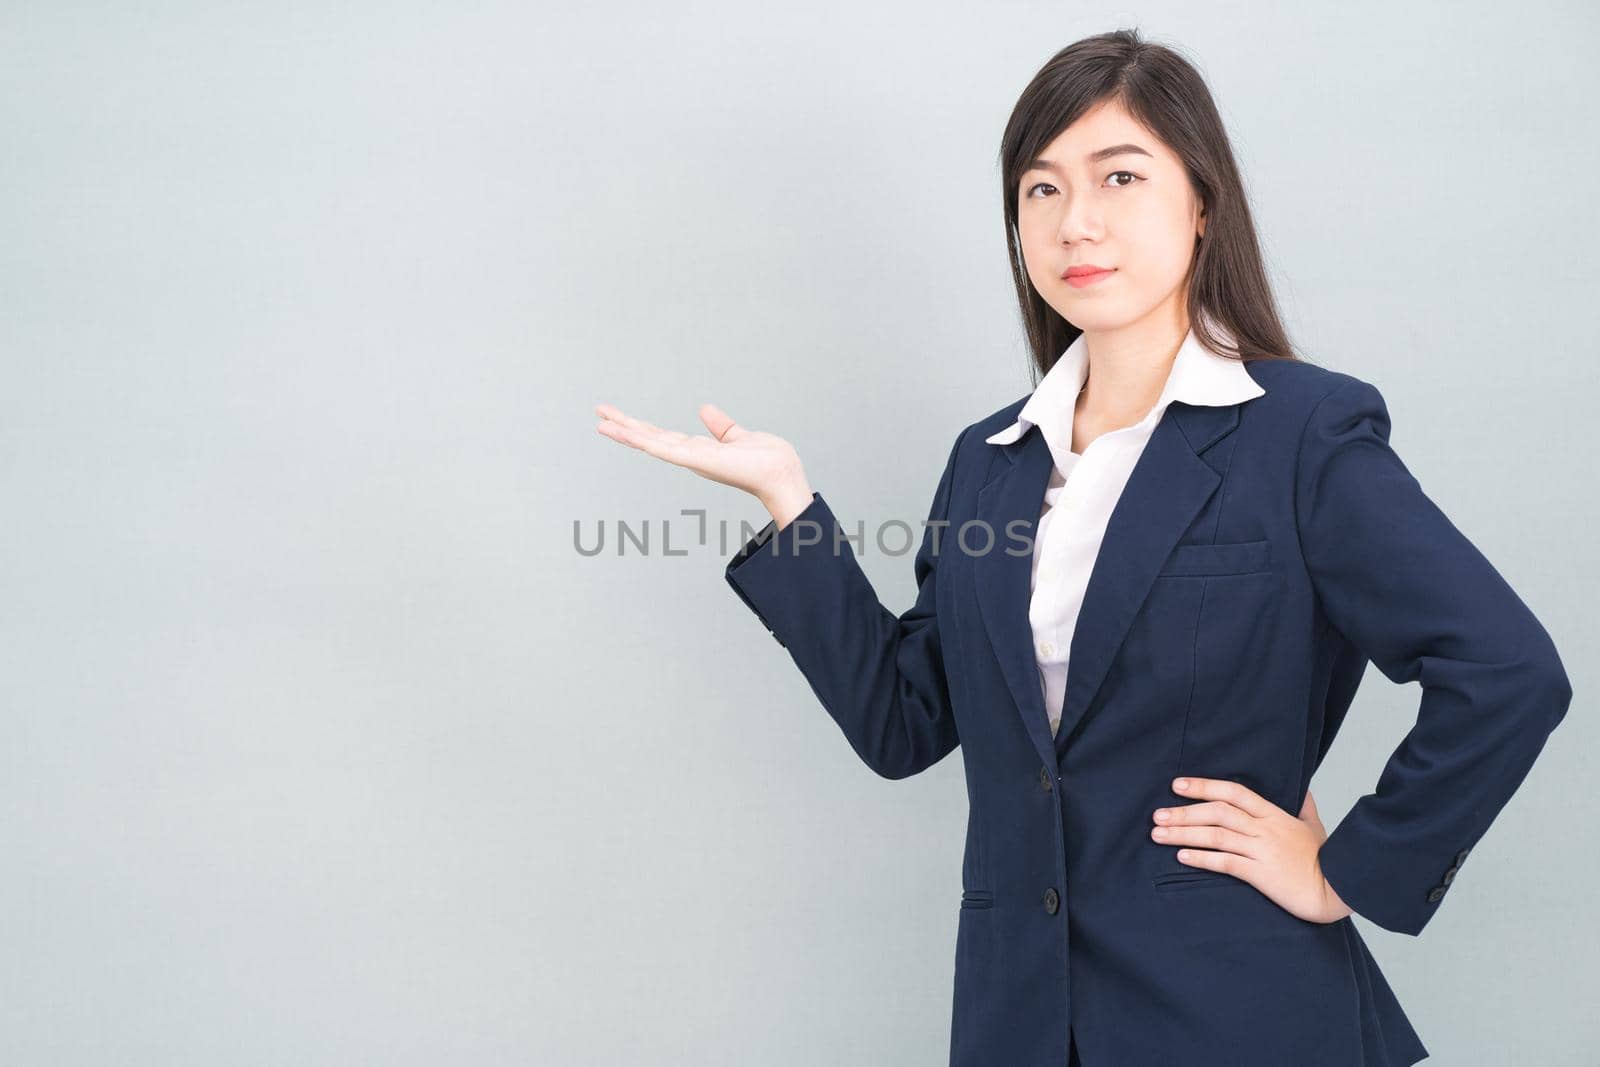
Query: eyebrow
(1093, 157)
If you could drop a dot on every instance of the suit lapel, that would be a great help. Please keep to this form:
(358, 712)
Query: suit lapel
(1015, 495)
(1168, 486)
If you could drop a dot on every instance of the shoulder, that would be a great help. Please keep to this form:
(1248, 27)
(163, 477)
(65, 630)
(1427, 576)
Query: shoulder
(1301, 396)
(1322, 416)
(1296, 384)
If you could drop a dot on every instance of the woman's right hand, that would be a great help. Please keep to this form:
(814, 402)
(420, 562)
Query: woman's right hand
(762, 464)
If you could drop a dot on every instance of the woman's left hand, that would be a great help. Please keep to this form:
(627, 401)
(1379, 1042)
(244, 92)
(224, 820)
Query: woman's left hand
(1236, 831)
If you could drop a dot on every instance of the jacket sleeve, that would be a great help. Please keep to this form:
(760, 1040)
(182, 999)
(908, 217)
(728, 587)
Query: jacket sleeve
(880, 677)
(1414, 596)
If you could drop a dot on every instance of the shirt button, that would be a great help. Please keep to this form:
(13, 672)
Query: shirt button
(1052, 900)
(1046, 649)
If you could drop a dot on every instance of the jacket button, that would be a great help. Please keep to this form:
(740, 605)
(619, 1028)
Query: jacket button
(1461, 857)
(1448, 876)
(1044, 779)
(1052, 900)
(1435, 893)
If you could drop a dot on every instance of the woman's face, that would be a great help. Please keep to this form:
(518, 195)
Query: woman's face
(1131, 210)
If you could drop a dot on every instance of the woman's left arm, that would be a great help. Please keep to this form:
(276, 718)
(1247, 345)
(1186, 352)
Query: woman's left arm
(1419, 600)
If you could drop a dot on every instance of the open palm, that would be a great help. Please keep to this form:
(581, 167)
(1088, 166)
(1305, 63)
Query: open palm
(762, 464)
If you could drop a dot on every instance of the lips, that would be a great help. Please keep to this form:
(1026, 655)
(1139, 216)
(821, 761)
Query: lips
(1086, 275)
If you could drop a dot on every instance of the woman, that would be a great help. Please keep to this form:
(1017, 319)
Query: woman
(1146, 595)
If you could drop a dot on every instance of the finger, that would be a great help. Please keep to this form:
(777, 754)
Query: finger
(1219, 789)
(660, 446)
(722, 427)
(1218, 838)
(1207, 813)
(638, 426)
(618, 432)
(1225, 862)
(611, 413)
(652, 442)
(615, 419)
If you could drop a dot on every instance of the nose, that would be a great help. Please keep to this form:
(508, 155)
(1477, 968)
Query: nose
(1079, 221)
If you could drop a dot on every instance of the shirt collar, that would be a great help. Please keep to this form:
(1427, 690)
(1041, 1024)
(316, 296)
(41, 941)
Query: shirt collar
(1198, 376)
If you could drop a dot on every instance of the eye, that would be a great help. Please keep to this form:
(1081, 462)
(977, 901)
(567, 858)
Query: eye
(1132, 177)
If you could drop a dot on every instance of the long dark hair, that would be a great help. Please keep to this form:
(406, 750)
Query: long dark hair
(1162, 90)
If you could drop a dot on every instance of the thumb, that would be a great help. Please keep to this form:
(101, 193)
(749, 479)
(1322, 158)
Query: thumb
(1308, 812)
(717, 421)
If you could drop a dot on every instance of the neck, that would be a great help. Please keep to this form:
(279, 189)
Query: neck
(1128, 367)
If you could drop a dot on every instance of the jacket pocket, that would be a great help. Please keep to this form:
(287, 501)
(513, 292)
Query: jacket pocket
(977, 898)
(1243, 557)
(1198, 879)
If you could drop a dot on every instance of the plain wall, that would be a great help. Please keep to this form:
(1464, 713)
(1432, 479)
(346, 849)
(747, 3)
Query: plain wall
(322, 743)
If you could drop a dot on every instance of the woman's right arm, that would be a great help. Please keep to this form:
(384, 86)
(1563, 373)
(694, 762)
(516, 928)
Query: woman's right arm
(879, 675)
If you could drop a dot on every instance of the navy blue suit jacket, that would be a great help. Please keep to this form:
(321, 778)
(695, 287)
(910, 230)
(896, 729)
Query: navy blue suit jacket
(1260, 555)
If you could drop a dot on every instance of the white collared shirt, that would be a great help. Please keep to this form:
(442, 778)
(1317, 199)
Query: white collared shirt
(1084, 488)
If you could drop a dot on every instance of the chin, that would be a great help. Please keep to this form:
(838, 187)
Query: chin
(1095, 319)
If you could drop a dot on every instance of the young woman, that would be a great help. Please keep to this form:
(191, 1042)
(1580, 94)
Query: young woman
(1147, 593)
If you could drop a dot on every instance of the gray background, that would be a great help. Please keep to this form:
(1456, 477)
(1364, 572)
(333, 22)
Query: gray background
(323, 744)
